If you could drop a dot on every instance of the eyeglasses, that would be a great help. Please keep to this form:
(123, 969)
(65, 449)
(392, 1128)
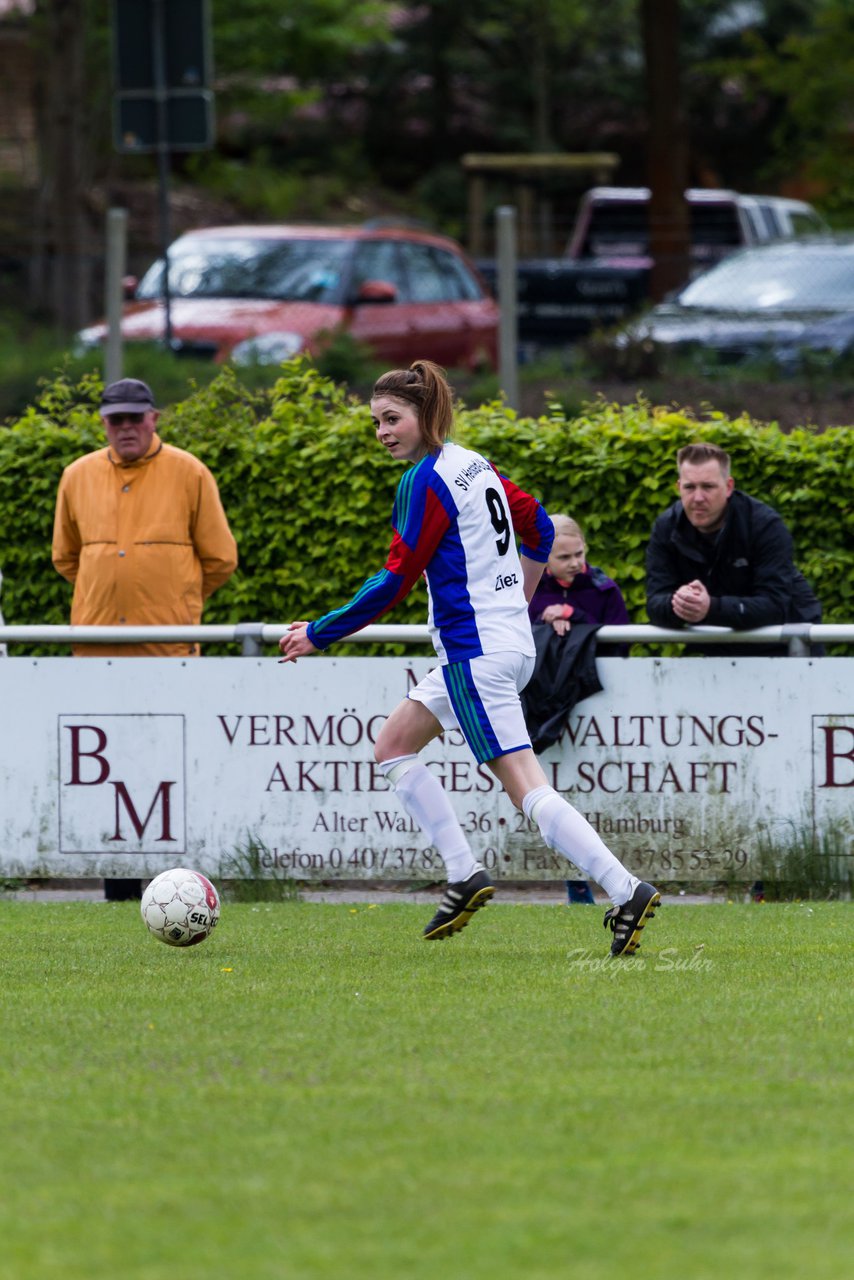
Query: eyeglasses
(116, 419)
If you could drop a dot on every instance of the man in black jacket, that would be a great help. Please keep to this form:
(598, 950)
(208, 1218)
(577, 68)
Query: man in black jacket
(721, 558)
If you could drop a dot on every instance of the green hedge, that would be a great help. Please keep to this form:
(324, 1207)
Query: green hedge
(308, 492)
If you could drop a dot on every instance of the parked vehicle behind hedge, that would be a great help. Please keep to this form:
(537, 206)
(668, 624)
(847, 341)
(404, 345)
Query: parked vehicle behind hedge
(785, 303)
(604, 274)
(261, 294)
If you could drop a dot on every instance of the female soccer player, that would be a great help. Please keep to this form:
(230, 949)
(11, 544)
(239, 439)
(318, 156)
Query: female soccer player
(454, 517)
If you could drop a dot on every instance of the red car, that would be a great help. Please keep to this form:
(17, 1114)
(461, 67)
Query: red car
(265, 293)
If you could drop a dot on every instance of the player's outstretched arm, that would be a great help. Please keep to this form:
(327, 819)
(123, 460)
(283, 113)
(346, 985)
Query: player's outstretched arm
(296, 643)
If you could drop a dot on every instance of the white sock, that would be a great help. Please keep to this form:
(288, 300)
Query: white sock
(425, 800)
(565, 830)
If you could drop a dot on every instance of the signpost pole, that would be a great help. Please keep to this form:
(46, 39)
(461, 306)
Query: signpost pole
(508, 370)
(117, 221)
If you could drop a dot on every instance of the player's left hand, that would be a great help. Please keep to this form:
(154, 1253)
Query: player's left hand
(296, 643)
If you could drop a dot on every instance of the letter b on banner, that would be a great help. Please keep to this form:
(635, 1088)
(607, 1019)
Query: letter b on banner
(87, 742)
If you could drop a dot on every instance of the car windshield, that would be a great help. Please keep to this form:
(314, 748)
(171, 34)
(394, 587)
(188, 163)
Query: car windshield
(245, 267)
(787, 281)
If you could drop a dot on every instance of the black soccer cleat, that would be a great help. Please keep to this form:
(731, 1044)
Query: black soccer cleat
(459, 903)
(628, 920)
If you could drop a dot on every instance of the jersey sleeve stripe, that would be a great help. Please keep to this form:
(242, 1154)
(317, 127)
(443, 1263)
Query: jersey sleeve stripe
(403, 501)
(374, 597)
(423, 523)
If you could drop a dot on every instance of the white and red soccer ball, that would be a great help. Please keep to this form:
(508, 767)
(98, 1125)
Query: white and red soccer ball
(180, 907)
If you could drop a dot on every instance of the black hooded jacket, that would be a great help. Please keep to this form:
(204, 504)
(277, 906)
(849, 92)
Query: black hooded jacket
(747, 569)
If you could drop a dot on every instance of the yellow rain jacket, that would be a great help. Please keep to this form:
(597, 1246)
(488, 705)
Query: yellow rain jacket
(144, 542)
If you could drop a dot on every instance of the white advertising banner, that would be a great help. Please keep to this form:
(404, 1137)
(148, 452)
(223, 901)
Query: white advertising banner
(686, 767)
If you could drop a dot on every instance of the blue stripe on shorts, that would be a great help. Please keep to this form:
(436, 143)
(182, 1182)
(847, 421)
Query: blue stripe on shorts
(470, 711)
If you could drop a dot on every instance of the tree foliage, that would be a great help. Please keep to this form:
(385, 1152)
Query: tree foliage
(273, 59)
(333, 107)
(811, 73)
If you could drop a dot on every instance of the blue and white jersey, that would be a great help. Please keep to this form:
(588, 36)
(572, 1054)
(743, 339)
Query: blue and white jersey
(455, 519)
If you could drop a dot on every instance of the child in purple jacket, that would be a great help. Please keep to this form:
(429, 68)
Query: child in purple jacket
(570, 591)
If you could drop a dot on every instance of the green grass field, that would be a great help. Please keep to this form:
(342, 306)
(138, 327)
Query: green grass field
(317, 1092)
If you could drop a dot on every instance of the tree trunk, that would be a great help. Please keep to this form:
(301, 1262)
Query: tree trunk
(667, 167)
(63, 248)
(541, 79)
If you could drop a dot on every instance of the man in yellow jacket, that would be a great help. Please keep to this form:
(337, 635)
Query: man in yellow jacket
(139, 529)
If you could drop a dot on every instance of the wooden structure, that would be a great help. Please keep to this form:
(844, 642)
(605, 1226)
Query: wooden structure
(531, 177)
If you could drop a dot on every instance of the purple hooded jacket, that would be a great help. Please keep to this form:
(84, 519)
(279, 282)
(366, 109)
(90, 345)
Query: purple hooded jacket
(594, 597)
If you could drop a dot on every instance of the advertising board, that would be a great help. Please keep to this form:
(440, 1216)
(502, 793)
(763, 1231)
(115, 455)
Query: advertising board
(688, 768)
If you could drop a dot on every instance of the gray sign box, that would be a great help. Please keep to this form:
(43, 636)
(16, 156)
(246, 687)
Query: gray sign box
(189, 121)
(184, 26)
(162, 56)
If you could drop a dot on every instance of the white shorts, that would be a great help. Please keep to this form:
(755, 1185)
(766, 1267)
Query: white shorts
(480, 696)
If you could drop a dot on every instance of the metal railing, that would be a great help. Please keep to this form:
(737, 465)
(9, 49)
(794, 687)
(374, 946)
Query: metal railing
(794, 638)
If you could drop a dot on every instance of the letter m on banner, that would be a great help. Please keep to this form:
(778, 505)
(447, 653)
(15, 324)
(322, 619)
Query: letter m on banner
(160, 803)
(122, 784)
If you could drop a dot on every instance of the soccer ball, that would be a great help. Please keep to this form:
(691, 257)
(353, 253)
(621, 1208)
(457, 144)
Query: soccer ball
(180, 907)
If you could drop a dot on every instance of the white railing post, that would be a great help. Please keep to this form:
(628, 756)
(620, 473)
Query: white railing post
(251, 637)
